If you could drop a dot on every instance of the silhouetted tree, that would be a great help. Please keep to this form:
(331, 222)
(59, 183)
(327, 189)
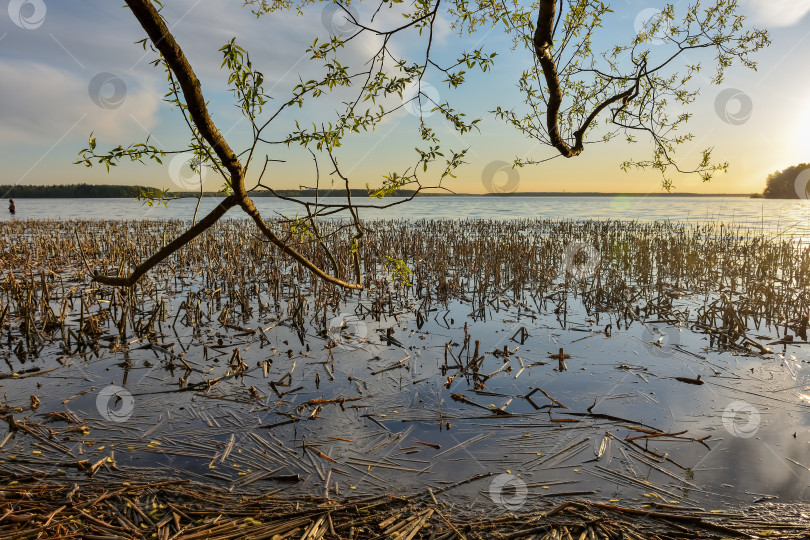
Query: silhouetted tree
(791, 183)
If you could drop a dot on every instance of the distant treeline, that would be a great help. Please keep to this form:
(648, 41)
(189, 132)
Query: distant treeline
(308, 193)
(94, 191)
(359, 193)
(75, 191)
(324, 193)
(792, 183)
(88, 191)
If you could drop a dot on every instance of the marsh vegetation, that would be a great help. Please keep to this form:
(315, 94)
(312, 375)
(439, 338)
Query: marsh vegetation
(574, 371)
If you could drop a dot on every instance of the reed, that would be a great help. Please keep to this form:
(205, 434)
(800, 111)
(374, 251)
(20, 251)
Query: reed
(182, 509)
(737, 283)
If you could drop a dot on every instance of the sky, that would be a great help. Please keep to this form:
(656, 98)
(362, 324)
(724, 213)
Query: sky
(72, 68)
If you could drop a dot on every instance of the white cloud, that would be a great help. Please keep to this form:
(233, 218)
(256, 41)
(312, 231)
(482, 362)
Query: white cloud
(42, 103)
(442, 29)
(778, 12)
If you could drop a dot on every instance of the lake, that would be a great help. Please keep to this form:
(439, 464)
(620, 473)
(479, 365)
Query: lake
(761, 214)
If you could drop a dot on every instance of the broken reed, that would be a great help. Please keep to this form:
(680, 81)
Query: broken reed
(734, 279)
(184, 510)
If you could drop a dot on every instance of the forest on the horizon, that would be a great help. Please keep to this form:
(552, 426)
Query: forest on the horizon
(106, 191)
(76, 191)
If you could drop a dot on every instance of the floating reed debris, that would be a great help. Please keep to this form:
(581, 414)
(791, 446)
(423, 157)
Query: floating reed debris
(183, 510)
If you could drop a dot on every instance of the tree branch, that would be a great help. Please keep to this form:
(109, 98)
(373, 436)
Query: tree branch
(169, 248)
(543, 40)
(164, 41)
(161, 37)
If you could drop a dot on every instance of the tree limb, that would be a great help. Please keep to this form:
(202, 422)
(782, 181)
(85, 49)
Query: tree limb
(164, 41)
(543, 41)
(168, 249)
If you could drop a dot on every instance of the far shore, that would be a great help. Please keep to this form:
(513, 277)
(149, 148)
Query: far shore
(364, 194)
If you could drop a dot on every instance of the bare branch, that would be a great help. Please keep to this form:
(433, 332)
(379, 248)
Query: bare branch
(171, 247)
(173, 55)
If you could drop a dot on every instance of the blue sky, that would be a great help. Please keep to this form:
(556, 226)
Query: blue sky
(71, 67)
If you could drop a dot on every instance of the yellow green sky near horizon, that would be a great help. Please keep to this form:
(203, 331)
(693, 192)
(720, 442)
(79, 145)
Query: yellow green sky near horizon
(71, 68)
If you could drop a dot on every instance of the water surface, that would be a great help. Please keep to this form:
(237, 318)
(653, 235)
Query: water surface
(758, 214)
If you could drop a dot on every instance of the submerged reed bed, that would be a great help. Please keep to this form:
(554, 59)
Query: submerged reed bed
(740, 282)
(468, 354)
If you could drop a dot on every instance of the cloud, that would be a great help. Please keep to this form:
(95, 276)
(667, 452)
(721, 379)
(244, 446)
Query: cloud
(778, 12)
(41, 104)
